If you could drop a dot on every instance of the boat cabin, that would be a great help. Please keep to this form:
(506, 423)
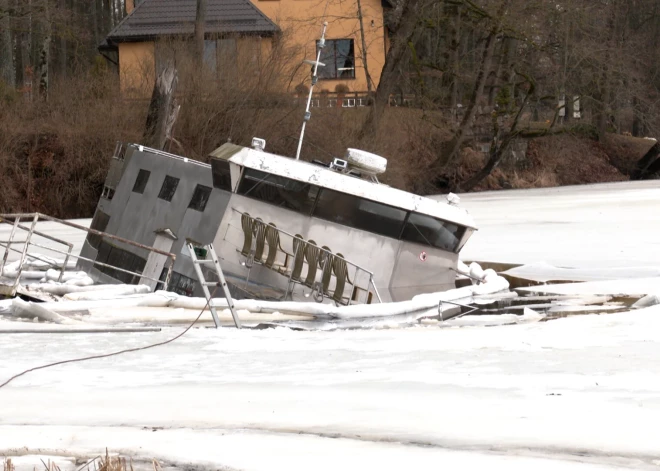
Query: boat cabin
(283, 228)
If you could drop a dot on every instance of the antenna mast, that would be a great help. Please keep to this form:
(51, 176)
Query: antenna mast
(316, 64)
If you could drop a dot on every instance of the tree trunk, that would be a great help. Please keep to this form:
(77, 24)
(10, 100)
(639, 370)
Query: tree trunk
(364, 49)
(163, 109)
(499, 145)
(200, 26)
(44, 53)
(7, 71)
(63, 33)
(452, 150)
(455, 61)
(395, 56)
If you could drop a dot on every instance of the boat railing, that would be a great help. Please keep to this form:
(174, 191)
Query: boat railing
(46, 242)
(162, 153)
(328, 273)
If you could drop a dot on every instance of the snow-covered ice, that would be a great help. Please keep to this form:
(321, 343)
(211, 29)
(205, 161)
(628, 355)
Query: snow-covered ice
(580, 390)
(589, 226)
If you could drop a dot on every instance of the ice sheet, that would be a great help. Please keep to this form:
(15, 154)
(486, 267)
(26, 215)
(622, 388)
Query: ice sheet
(560, 392)
(589, 226)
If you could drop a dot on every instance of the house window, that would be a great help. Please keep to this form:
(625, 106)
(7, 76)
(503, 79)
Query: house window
(339, 59)
(169, 188)
(200, 198)
(141, 181)
(210, 55)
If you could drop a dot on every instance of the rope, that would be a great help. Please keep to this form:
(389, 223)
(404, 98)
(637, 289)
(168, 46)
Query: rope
(120, 352)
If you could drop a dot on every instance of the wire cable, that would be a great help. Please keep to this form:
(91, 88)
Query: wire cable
(120, 352)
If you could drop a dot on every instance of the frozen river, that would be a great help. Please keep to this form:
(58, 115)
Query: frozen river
(575, 393)
(605, 225)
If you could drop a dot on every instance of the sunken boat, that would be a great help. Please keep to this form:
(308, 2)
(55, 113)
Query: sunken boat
(282, 228)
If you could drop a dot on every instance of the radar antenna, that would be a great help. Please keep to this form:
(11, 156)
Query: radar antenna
(319, 47)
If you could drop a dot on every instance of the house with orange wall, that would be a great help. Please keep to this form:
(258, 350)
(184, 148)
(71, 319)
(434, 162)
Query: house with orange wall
(242, 34)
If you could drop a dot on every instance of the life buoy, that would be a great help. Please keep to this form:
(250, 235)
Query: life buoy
(366, 161)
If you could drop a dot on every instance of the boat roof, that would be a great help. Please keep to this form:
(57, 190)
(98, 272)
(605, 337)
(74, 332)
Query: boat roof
(324, 177)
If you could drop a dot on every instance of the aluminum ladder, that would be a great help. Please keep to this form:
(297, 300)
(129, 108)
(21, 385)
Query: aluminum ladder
(197, 263)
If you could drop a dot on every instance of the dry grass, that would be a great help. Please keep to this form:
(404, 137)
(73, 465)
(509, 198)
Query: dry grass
(100, 463)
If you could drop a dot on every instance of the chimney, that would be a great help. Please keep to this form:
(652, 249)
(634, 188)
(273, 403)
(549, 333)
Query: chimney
(130, 6)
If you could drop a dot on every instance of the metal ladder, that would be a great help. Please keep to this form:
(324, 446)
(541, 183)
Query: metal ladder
(197, 263)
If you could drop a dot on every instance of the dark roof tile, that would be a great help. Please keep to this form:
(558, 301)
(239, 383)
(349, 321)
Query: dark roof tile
(154, 18)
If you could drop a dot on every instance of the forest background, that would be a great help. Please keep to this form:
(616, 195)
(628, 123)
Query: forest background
(474, 95)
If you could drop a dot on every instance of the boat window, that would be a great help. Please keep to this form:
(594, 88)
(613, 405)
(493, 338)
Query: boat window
(280, 191)
(360, 213)
(434, 232)
(181, 284)
(221, 174)
(141, 181)
(169, 188)
(119, 258)
(99, 223)
(200, 198)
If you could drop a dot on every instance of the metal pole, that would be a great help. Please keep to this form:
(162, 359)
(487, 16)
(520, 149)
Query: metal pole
(11, 238)
(311, 89)
(373, 283)
(64, 265)
(24, 253)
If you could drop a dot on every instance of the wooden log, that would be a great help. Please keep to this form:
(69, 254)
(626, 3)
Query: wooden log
(163, 109)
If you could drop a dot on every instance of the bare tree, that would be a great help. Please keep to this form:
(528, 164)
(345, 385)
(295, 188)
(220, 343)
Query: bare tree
(200, 26)
(7, 71)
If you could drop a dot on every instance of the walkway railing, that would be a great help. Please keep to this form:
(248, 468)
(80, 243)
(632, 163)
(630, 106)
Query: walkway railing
(60, 247)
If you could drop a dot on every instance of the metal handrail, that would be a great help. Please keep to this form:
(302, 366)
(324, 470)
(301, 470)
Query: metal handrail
(80, 257)
(327, 252)
(37, 216)
(162, 153)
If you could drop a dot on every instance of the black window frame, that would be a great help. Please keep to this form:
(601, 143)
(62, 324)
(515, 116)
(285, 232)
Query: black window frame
(99, 223)
(166, 193)
(221, 174)
(361, 220)
(182, 284)
(141, 181)
(277, 190)
(412, 233)
(119, 258)
(331, 69)
(200, 198)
